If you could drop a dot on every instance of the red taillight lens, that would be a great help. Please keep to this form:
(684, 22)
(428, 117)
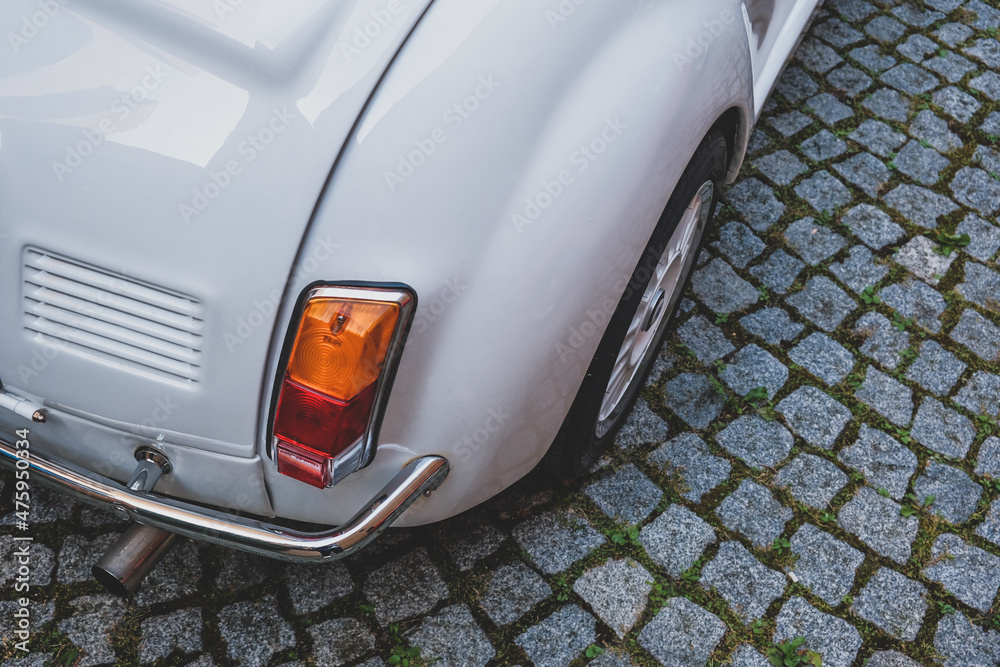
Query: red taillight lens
(320, 423)
(337, 367)
(299, 465)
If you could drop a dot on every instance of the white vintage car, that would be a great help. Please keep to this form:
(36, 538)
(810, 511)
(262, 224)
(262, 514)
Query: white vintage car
(277, 275)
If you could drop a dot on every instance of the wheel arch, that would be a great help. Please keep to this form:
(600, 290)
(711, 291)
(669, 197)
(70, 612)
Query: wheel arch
(735, 126)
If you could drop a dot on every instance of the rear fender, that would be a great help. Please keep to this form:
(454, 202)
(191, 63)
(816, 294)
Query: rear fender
(511, 168)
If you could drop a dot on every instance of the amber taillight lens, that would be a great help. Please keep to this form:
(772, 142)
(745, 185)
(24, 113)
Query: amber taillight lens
(338, 371)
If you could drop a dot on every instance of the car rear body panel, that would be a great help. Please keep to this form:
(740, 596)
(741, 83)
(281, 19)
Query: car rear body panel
(466, 176)
(160, 163)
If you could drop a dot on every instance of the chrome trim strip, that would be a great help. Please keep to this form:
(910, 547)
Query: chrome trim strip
(251, 535)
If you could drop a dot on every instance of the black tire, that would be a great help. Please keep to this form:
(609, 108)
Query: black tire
(584, 436)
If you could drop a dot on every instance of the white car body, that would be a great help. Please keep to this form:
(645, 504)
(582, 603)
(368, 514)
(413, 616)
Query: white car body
(506, 159)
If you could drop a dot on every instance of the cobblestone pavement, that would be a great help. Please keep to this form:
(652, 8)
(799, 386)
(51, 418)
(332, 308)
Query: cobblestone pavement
(814, 456)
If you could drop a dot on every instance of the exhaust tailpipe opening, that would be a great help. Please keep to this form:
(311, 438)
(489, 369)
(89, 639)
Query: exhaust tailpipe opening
(123, 567)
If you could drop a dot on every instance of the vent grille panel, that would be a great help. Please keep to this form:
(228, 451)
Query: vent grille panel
(113, 317)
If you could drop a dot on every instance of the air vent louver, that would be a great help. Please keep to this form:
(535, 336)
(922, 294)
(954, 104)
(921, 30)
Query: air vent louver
(112, 316)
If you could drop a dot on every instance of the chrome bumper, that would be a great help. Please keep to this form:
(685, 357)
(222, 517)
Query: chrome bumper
(416, 478)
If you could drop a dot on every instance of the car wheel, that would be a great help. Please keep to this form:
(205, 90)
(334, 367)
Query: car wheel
(636, 330)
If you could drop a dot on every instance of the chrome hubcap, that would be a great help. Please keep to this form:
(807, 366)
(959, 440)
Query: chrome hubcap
(657, 298)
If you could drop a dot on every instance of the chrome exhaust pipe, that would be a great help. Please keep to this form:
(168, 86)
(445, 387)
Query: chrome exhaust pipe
(123, 566)
(127, 562)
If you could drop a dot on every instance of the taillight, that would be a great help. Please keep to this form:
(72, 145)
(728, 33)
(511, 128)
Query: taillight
(334, 385)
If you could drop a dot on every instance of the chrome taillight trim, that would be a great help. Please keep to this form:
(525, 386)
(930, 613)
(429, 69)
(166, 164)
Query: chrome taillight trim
(361, 455)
